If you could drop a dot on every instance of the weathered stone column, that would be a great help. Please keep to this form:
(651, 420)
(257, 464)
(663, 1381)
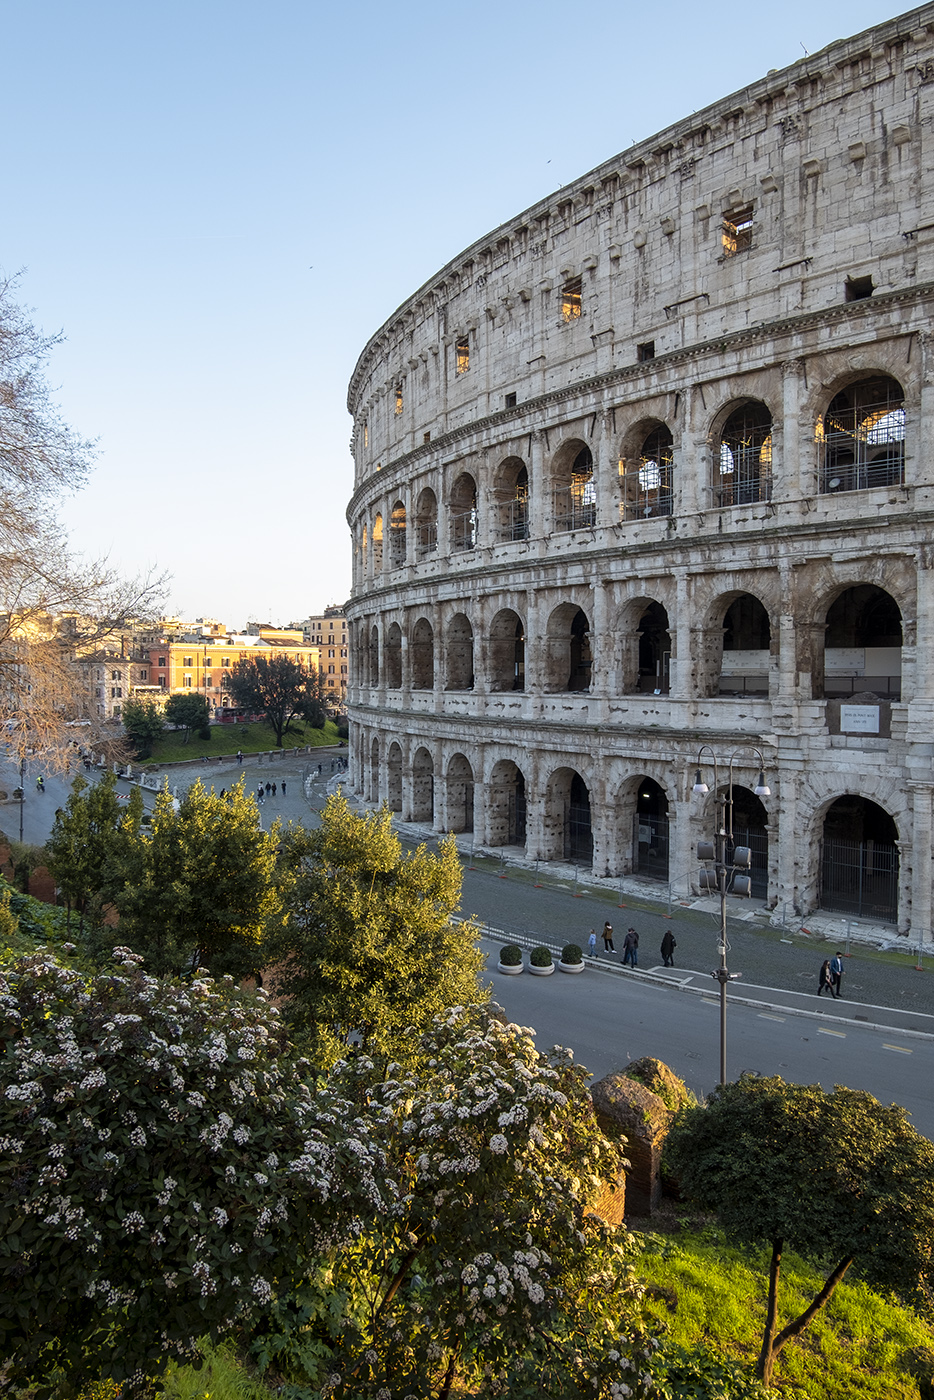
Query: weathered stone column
(679, 629)
(922, 866)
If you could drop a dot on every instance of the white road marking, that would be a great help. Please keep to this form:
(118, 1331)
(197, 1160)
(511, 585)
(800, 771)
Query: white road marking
(767, 1016)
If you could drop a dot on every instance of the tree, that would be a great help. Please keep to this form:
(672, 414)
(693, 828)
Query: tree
(201, 885)
(369, 947)
(280, 688)
(165, 1171)
(143, 721)
(52, 606)
(91, 843)
(839, 1177)
(188, 710)
(479, 1268)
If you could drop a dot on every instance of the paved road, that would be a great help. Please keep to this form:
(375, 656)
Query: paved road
(609, 1019)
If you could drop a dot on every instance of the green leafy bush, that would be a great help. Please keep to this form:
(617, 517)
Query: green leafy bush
(511, 955)
(571, 955)
(680, 1373)
(541, 957)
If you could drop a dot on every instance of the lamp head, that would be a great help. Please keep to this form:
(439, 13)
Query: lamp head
(761, 788)
(700, 786)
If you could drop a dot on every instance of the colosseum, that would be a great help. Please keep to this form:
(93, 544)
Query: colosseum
(645, 475)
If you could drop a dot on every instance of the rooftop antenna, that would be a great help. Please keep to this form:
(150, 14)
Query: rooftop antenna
(806, 54)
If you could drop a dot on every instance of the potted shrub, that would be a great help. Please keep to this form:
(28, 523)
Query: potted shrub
(541, 962)
(572, 958)
(510, 959)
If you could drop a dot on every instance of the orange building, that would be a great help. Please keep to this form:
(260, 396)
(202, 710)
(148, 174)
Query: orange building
(202, 663)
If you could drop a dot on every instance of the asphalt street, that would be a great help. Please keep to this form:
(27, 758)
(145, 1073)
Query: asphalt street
(610, 1020)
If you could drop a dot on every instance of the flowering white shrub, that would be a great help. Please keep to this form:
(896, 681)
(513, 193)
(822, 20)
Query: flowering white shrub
(156, 1184)
(484, 1273)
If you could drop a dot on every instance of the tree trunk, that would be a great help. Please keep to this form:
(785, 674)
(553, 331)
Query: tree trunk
(771, 1346)
(767, 1355)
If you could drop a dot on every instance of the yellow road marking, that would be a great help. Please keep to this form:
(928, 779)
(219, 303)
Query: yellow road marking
(823, 1031)
(900, 1049)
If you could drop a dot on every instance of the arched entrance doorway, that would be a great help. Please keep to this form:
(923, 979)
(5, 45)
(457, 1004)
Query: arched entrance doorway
(459, 794)
(578, 837)
(749, 829)
(650, 831)
(859, 860)
(507, 808)
(423, 787)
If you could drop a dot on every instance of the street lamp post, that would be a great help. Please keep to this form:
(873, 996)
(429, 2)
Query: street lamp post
(729, 874)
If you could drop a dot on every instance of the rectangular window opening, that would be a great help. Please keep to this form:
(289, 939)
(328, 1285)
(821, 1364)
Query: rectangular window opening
(571, 294)
(645, 351)
(737, 230)
(462, 354)
(510, 400)
(426, 438)
(858, 288)
(399, 401)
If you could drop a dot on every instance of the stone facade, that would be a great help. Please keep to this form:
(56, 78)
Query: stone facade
(650, 468)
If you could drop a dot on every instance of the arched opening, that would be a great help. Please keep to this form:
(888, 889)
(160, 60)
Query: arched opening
(863, 644)
(464, 513)
(373, 785)
(426, 523)
(397, 536)
(507, 652)
(373, 656)
(394, 656)
(422, 653)
(511, 500)
(567, 833)
(394, 778)
(575, 496)
(861, 437)
(654, 650)
(459, 654)
(507, 810)
(460, 794)
(749, 829)
(648, 479)
(747, 639)
(568, 658)
(423, 787)
(377, 544)
(650, 833)
(859, 860)
(743, 465)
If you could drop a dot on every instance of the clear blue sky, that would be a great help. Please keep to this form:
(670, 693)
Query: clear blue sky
(220, 202)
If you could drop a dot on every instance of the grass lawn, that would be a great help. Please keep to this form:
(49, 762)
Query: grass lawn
(850, 1351)
(228, 738)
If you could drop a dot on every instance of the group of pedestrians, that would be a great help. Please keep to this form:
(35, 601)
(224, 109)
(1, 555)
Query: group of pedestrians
(631, 946)
(830, 978)
(271, 788)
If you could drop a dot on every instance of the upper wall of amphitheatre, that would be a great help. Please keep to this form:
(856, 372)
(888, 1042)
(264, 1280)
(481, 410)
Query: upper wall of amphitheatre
(826, 160)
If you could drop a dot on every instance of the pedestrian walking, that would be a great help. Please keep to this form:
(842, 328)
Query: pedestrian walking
(631, 948)
(273, 789)
(223, 792)
(260, 794)
(319, 770)
(268, 789)
(836, 974)
(608, 938)
(239, 756)
(668, 948)
(592, 944)
(283, 787)
(825, 978)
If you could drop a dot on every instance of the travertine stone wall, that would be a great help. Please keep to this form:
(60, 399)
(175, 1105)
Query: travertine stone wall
(551, 619)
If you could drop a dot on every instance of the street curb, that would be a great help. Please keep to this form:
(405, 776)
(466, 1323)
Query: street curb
(654, 980)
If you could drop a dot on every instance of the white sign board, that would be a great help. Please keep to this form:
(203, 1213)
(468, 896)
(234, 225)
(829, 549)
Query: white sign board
(859, 719)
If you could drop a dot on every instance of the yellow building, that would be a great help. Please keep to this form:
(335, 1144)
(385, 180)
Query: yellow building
(201, 663)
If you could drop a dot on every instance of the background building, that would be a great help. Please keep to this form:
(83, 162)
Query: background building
(329, 631)
(201, 662)
(650, 467)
